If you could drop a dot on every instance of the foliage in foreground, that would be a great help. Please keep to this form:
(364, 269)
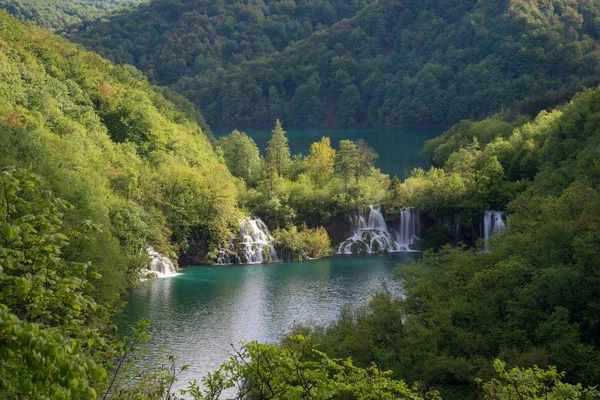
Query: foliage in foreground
(268, 371)
(55, 340)
(298, 370)
(533, 383)
(49, 324)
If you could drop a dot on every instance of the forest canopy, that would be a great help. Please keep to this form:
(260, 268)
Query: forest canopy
(387, 63)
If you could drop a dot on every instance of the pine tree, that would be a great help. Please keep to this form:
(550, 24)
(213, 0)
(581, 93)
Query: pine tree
(278, 150)
(346, 161)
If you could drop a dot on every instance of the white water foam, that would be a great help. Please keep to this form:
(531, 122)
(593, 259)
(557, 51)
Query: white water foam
(493, 222)
(253, 246)
(371, 234)
(159, 265)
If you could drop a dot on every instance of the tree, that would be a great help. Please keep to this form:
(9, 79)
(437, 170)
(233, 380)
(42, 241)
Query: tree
(242, 156)
(366, 158)
(489, 178)
(319, 162)
(349, 104)
(278, 150)
(395, 195)
(346, 161)
(307, 108)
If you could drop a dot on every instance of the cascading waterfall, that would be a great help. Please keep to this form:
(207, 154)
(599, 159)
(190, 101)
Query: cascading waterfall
(371, 234)
(410, 228)
(253, 246)
(493, 222)
(159, 265)
(257, 241)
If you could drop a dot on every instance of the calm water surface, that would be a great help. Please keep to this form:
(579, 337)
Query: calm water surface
(399, 149)
(205, 309)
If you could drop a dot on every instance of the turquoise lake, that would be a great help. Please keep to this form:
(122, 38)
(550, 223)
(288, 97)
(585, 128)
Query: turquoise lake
(399, 149)
(200, 313)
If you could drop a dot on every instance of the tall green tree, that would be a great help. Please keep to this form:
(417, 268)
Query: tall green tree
(346, 161)
(242, 156)
(319, 162)
(278, 150)
(366, 158)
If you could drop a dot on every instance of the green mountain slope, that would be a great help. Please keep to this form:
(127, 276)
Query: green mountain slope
(59, 14)
(396, 62)
(172, 39)
(106, 141)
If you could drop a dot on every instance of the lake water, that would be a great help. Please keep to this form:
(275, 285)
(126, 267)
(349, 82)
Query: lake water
(399, 149)
(200, 313)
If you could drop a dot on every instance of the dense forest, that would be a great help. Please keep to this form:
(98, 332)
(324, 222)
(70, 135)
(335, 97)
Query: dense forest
(394, 63)
(60, 14)
(532, 299)
(170, 40)
(96, 165)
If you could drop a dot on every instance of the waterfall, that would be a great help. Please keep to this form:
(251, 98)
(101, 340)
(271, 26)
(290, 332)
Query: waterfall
(493, 222)
(253, 246)
(371, 234)
(159, 265)
(257, 240)
(410, 227)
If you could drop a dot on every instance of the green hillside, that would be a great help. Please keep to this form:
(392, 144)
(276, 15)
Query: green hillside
(172, 39)
(110, 144)
(395, 63)
(60, 14)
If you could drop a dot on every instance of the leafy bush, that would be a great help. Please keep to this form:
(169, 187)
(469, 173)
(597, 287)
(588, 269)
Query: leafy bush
(297, 245)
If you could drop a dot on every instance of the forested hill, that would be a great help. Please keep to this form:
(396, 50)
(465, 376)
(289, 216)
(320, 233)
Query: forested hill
(395, 62)
(106, 141)
(173, 39)
(59, 14)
